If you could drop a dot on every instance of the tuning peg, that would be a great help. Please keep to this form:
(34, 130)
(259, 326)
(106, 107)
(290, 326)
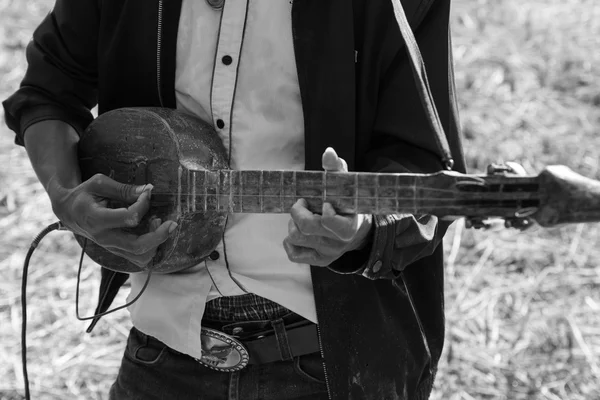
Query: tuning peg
(507, 168)
(498, 169)
(481, 223)
(519, 223)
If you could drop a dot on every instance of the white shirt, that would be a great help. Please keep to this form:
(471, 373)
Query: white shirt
(236, 68)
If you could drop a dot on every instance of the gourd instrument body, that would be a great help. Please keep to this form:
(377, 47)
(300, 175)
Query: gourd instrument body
(157, 146)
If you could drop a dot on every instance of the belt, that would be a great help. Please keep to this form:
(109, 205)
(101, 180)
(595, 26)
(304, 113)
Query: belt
(232, 352)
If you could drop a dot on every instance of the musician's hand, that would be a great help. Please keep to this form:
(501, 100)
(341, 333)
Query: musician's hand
(84, 211)
(321, 239)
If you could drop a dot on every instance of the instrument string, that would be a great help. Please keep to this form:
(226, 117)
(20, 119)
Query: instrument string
(381, 188)
(493, 196)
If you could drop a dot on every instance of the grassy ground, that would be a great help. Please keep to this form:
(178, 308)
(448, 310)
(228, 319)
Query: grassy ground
(522, 308)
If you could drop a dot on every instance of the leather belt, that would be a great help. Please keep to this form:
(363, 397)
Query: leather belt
(227, 353)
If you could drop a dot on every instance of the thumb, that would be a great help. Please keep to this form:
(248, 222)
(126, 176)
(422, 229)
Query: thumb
(105, 186)
(331, 161)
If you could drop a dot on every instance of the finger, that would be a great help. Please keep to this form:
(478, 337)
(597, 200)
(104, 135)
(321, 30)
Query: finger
(105, 186)
(323, 245)
(331, 161)
(304, 255)
(307, 222)
(101, 217)
(117, 239)
(344, 227)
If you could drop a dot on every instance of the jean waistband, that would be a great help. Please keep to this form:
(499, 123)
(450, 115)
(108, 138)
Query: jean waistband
(247, 307)
(244, 329)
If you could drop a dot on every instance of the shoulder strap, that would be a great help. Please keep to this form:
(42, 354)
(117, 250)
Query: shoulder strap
(420, 77)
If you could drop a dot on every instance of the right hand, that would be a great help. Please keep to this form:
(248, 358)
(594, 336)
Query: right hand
(84, 211)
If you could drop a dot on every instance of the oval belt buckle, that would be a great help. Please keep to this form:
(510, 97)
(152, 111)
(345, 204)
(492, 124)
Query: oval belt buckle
(222, 352)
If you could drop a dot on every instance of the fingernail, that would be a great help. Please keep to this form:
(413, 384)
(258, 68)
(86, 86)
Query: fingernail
(172, 227)
(141, 189)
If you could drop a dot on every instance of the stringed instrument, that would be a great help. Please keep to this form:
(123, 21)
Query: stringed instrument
(185, 161)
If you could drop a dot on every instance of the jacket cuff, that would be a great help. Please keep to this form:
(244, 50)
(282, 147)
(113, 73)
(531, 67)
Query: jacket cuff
(379, 265)
(347, 263)
(397, 241)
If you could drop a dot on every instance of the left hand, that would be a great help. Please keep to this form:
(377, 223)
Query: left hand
(321, 239)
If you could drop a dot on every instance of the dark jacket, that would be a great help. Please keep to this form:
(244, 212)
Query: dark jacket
(380, 309)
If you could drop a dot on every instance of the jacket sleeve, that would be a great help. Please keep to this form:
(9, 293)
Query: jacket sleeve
(61, 77)
(401, 141)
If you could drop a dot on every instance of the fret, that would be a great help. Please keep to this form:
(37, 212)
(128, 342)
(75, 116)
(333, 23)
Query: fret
(193, 191)
(377, 196)
(241, 194)
(288, 189)
(272, 191)
(366, 193)
(224, 190)
(218, 191)
(188, 205)
(238, 199)
(179, 172)
(281, 205)
(251, 191)
(260, 191)
(230, 205)
(356, 193)
(199, 177)
(211, 186)
(295, 186)
(397, 185)
(404, 195)
(341, 192)
(309, 184)
(387, 194)
(204, 186)
(415, 192)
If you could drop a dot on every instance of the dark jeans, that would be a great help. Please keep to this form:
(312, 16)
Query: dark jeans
(151, 370)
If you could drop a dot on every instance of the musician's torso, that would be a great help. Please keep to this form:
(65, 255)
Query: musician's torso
(236, 69)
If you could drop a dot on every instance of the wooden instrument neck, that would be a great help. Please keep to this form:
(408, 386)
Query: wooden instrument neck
(442, 193)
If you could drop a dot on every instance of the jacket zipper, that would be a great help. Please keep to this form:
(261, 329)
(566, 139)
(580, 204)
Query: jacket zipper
(159, 50)
(294, 36)
(324, 366)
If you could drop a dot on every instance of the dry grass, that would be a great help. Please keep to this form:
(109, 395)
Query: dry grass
(523, 308)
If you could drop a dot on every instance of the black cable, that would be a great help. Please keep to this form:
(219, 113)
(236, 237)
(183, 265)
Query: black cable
(53, 227)
(109, 311)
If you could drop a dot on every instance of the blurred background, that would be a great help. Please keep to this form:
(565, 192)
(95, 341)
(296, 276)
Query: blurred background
(523, 309)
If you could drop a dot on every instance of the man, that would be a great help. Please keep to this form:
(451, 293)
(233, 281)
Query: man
(284, 83)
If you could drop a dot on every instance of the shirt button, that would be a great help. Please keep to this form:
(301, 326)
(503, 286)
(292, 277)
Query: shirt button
(220, 124)
(214, 255)
(227, 60)
(377, 266)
